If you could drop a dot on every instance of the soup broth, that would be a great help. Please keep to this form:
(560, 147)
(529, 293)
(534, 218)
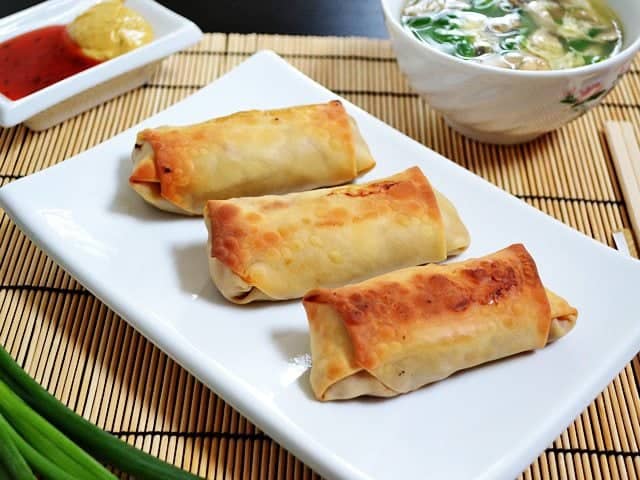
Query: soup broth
(518, 34)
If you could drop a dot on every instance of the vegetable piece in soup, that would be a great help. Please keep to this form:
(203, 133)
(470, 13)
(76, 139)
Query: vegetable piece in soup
(518, 34)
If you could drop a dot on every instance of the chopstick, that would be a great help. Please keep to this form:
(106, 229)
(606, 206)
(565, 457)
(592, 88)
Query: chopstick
(623, 240)
(626, 159)
(621, 243)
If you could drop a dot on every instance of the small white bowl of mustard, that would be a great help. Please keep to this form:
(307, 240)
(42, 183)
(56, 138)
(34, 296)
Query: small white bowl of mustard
(62, 57)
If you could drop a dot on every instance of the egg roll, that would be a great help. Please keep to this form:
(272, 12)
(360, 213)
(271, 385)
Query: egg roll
(280, 247)
(397, 332)
(250, 153)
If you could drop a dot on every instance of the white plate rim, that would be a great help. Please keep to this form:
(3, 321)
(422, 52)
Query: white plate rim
(290, 436)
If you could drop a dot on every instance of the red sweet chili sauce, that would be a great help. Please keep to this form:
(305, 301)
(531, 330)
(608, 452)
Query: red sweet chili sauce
(37, 59)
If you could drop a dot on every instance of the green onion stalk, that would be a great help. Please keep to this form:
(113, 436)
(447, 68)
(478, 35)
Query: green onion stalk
(14, 466)
(39, 463)
(87, 436)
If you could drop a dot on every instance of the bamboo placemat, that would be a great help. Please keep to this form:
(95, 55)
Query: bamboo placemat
(99, 366)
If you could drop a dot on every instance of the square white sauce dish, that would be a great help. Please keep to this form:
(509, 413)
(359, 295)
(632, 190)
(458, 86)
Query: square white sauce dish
(83, 90)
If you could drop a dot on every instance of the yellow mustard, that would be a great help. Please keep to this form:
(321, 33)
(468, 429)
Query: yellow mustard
(109, 29)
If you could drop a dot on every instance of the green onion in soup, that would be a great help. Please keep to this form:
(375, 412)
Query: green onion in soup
(518, 34)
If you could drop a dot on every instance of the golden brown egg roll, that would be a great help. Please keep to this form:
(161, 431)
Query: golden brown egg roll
(248, 154)
(397, 332)
(280, 247)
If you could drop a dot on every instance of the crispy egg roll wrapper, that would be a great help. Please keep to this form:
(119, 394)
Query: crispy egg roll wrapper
(397, 332)
(248, 154)
(280, 247)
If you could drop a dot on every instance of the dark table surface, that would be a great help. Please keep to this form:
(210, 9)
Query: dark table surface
(311, 17)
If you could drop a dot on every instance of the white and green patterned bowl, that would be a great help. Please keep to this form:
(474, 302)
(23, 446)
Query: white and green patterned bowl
(496, 105)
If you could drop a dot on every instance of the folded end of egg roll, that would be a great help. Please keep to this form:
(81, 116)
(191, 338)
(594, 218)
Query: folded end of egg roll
(563, 317)
(398, 332)
(145, 179)
(230, 284)
(250, 153)
(457, 235)
(364, 159)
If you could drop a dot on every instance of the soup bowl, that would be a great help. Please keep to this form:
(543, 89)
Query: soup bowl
(498, 105)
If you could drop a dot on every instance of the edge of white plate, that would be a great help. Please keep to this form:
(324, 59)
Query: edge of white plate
(239, 395)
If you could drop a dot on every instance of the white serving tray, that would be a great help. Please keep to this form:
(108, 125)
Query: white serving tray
(86, 89)
(151, 268)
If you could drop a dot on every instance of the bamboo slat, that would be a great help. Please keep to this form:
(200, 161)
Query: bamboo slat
(99, 366)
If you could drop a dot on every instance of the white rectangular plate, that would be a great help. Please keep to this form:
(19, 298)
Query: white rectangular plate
(151, 268)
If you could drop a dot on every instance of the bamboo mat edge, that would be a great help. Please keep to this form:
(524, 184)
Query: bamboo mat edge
(95, 363)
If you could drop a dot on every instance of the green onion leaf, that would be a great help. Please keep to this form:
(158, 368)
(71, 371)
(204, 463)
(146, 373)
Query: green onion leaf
(96, 441)
(40, 464)
(465, 48)
(47, 440)
(594, 32)
(13, 463)
(490, 8)
(419, 22)
(527, 24)
(4, 474)
(579, 45)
